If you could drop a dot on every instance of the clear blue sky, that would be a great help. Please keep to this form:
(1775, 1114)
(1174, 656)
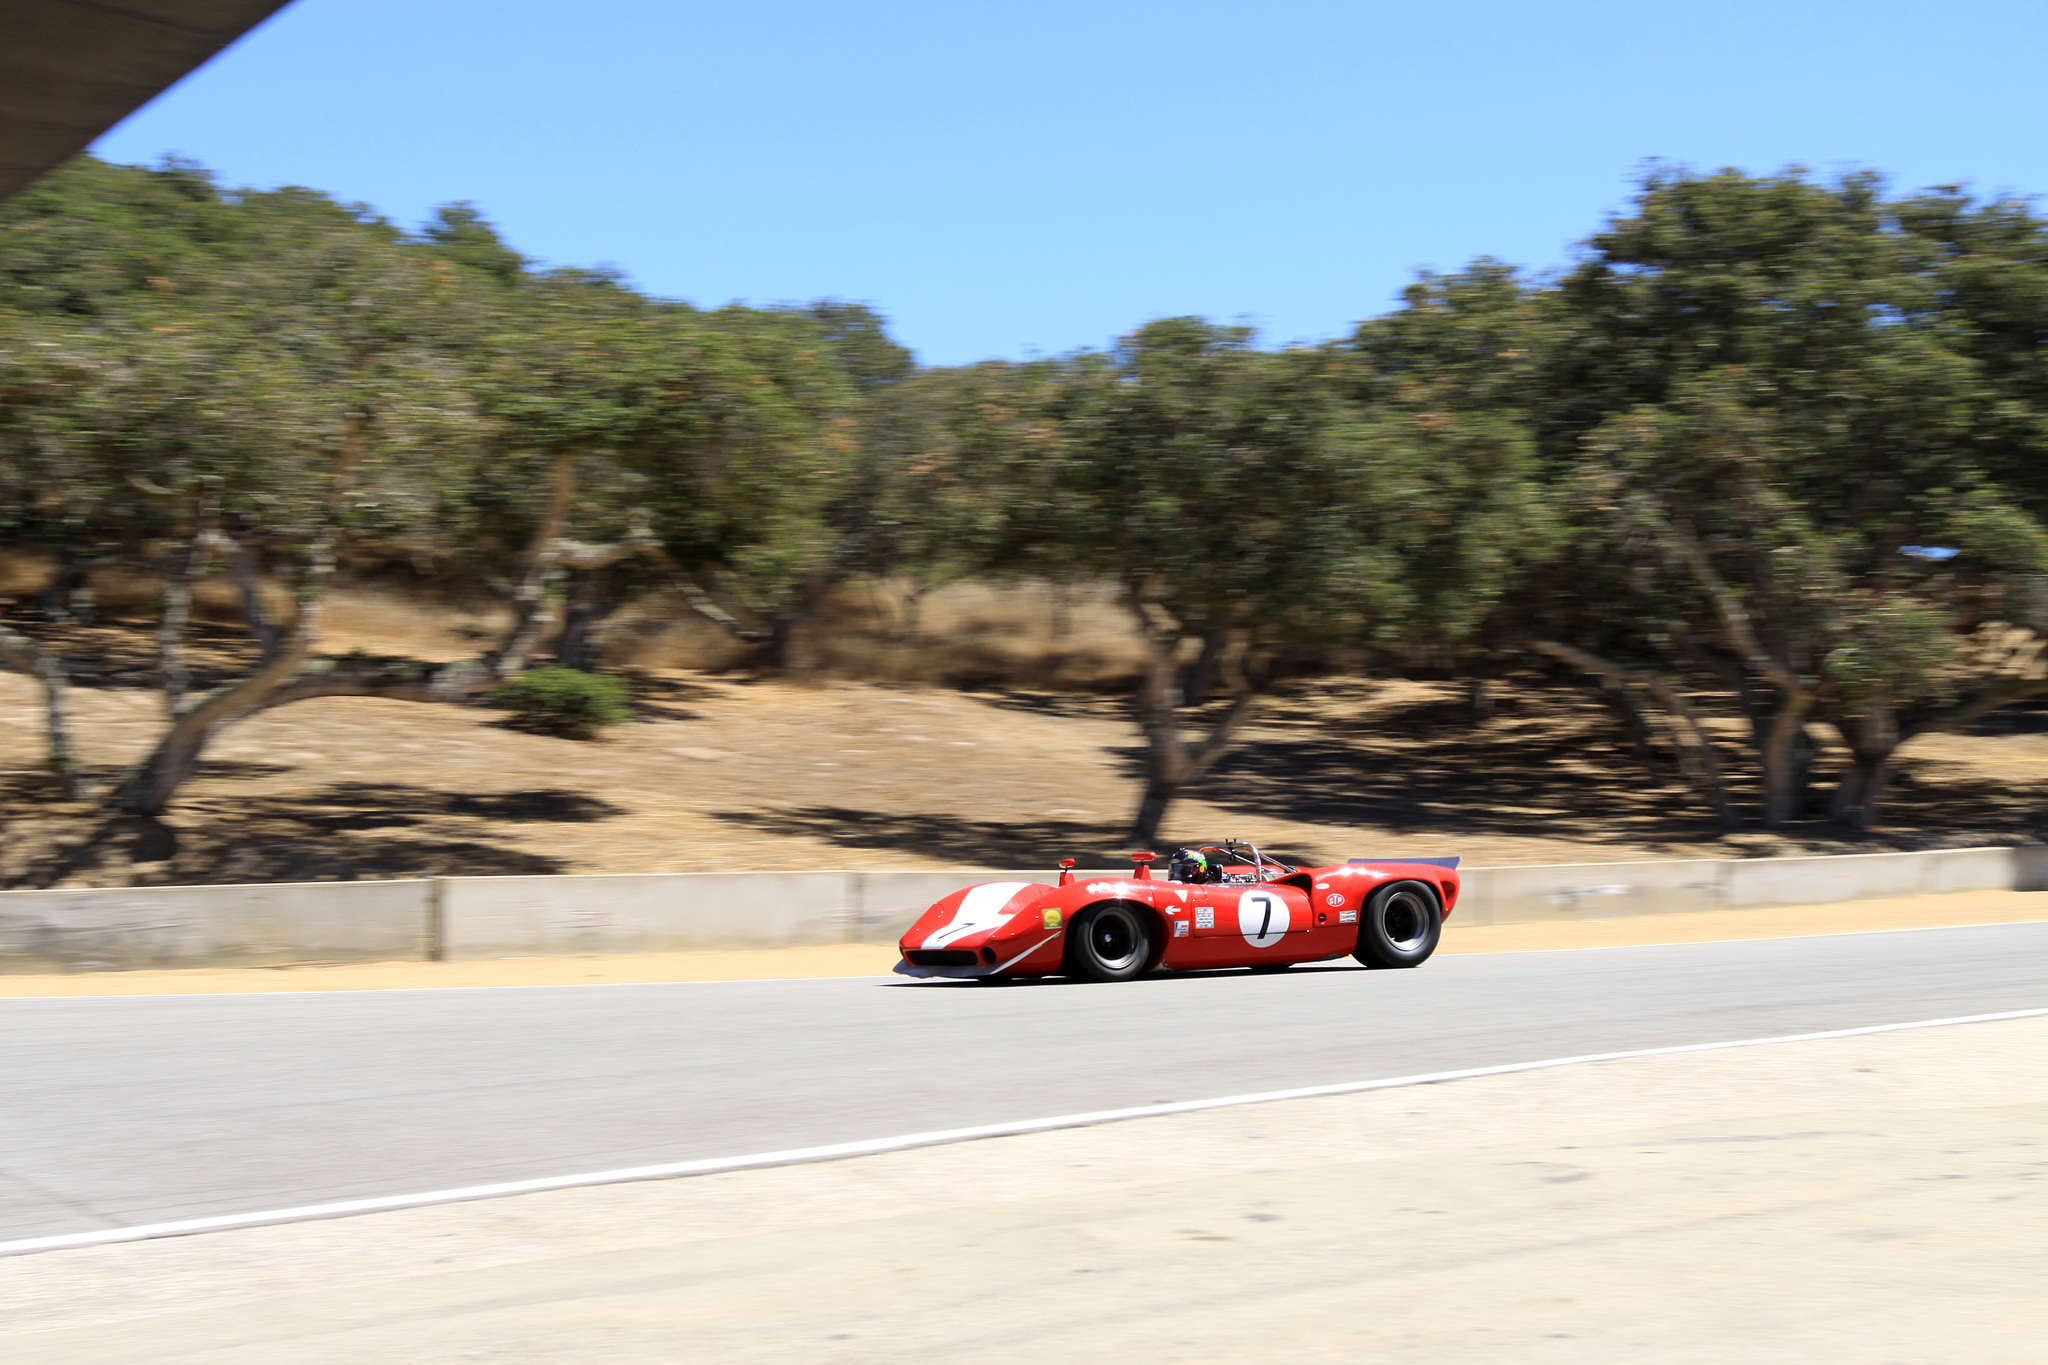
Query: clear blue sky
(1041, 175)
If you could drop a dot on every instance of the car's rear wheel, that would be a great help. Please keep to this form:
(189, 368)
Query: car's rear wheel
(1110, 942)
(1400, 927)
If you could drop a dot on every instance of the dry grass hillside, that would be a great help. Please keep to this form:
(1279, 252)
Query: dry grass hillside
(722, 772)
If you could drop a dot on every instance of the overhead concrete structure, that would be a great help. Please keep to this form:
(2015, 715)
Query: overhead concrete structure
(71, 69)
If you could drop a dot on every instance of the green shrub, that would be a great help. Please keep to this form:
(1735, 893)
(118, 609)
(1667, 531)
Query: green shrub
(564, 701)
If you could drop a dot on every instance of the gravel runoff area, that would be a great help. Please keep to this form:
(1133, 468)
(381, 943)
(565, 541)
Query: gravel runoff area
(1912, 912)
(1876, 1198)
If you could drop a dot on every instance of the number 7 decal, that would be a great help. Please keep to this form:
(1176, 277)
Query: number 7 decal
(1262, 918)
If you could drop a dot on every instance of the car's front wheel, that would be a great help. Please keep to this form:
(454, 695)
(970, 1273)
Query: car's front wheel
(1108, 942)
(1400, 926)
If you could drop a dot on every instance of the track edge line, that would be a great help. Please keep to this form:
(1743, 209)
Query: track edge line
(842, 1151)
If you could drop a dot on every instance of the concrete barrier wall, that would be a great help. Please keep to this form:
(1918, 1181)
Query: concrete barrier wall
(485, 917)
(681, 912)
(1587, 891)
(1518, 895)
(643, 913)
(204, 926)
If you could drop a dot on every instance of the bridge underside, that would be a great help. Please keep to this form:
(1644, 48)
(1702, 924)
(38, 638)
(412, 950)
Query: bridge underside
(71, 69)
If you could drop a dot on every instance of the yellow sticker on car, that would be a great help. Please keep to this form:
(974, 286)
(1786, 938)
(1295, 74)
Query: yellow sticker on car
(1052, 919)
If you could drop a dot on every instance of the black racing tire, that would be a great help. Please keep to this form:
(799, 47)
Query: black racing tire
(1401, 925)
(1109, 942)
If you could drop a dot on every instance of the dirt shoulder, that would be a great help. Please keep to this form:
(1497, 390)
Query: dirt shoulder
(859, 959)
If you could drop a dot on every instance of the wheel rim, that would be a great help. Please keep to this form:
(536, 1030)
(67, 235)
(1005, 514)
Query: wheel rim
(1114, 939)
(1405, 921)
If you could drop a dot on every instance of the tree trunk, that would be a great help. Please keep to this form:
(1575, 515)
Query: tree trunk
(255, 611)
(774, 653)
(1201, 674)
(1621, 698)
(20, 652)
(589, 607)
(1152, 806)
(1705, 768)
(532, 614)
(1783, 762)
(1873, 739)
(1783, 747)
(69, 597)
(292, 675)
(700, 600)
(172, 673)
(532, 611)
(1860, 792)
(1062, 608)
(911, 618)
(1170, 762)
(1478, 700)
(572, 645)
(148, 787)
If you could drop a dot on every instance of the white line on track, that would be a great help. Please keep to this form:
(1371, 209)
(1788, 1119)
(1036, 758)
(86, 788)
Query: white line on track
(940, 1137)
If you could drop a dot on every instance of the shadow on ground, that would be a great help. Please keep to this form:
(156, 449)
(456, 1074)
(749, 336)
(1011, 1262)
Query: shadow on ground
(118, 655)
(348, 831)
(366, 805)
(951, 838)
(1553, 765)
(1546, 765)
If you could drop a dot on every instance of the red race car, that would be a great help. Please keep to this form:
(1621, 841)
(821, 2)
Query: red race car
(1219, 905)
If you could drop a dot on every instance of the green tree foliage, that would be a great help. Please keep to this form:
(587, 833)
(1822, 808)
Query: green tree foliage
(1441, 444)
(1760, 395)
(192, 376)
(1771, 452)
(1201, 476)
(1255, 508)
(461, 234)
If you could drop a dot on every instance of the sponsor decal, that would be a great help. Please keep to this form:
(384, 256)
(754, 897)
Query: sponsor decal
(1347, 917)
(1182, 894)
(1205, 917)
(1261, 918)
(1322, 886)
(1180, 928)
(1104, 889)
(1052, 919)
(1334, 899)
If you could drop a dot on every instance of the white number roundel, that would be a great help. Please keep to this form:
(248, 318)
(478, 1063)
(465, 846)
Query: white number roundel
(1261, 918)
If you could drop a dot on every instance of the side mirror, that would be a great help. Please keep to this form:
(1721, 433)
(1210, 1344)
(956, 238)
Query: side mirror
(1066, 871)
(1144, 862)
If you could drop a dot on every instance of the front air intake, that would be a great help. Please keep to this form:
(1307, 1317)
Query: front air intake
(940, 957)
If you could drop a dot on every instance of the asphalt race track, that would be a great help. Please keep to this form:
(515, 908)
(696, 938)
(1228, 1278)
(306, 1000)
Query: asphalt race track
(118, 1111)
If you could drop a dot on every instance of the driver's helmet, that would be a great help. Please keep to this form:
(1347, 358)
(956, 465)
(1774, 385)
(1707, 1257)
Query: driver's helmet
(1190, 865)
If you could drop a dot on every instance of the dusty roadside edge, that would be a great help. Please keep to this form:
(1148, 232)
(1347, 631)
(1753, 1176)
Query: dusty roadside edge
(1954, 910)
